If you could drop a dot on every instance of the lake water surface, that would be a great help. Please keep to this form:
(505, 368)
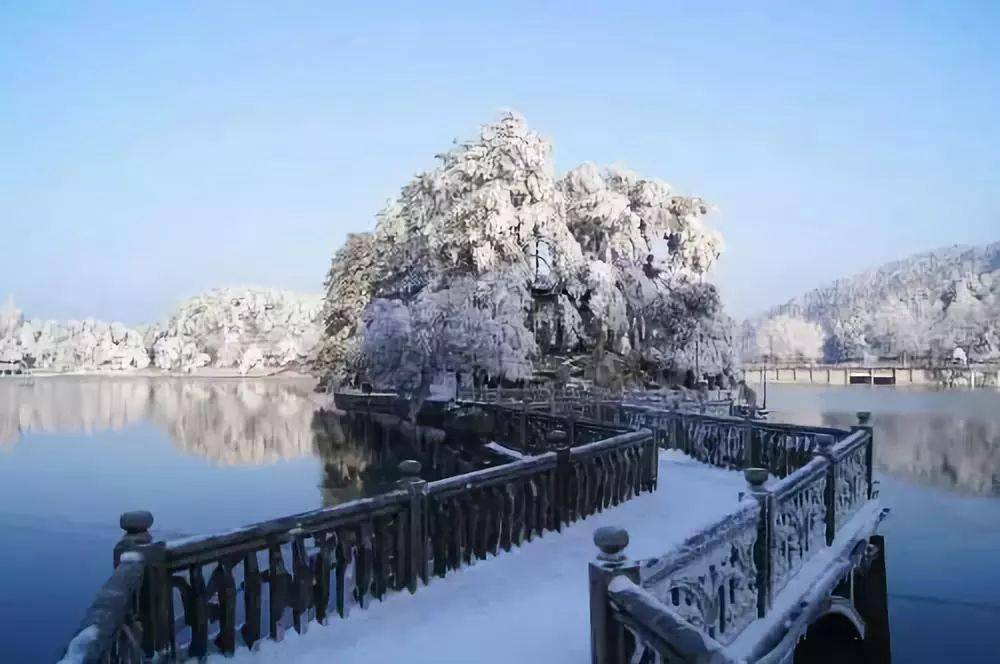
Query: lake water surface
(202, 455)
(937, 459)
(205, 455)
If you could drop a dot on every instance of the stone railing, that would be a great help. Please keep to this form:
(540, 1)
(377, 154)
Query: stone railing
(520, 427)
(732, 442)
(689, 604)
(583, 402)
(187, 598)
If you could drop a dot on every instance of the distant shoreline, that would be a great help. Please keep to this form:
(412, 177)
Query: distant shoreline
(158, 373)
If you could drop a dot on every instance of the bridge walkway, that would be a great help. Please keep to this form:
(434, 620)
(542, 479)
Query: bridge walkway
(527, 605)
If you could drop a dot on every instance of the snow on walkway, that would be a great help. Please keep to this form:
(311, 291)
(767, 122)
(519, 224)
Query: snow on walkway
(529, 604)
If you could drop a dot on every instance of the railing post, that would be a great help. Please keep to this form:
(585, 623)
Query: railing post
(824, 448)
(677, 442)
(154, 595)
(416, 554)
(751, 446)
(756, 477)
(571, 428)
(607, 636)
(864, 417)
(522, 429)
(557, 439)
(136, 526)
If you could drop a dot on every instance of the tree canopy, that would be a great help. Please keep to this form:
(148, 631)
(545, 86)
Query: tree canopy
(532, 265)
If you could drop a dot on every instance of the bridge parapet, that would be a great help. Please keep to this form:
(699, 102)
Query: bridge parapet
(695, 602)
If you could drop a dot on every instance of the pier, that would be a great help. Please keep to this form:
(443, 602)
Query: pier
(749, 540)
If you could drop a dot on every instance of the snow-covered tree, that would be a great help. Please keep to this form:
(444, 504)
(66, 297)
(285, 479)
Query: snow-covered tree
(470, 324)
(789, 338)
(919, 307)
(599, 257)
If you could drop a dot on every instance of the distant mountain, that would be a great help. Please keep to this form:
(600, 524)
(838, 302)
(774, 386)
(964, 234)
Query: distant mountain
(926, 305)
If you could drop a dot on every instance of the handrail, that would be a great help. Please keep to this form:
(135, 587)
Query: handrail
(284, 572)
(752, 553)
(191, 550)
(110, 629)
(657, 625)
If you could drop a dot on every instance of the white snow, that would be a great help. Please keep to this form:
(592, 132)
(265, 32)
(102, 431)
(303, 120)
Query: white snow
(799, 589)
(926, 304)
(77, 648)
(527, 605)
(239, 330)
(625, 256)
(132, 557)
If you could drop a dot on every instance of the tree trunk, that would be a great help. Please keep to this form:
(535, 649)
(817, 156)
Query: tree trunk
(424, 391)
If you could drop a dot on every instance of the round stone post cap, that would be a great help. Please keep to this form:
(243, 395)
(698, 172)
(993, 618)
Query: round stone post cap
(611, 540)
(556, 436)
(755, 477)
(138, 521)
(409, 468)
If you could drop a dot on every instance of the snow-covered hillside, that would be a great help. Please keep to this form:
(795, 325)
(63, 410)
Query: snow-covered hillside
(235, 330)
(925, 305)
(238, 328)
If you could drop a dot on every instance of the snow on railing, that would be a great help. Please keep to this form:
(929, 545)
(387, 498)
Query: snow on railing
(698, 598)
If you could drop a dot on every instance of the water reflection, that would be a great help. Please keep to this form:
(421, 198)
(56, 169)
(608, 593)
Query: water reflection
(240, 422)
(227, 421)
(945, 444)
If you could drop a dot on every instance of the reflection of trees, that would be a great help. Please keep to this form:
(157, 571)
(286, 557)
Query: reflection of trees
(227, 421)
(233, 421)
(937, 449)
(361, 453)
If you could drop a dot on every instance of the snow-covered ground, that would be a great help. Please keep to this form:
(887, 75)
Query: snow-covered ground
(527, 605)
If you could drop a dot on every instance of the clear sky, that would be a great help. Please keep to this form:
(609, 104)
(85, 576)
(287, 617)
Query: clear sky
(150, 150)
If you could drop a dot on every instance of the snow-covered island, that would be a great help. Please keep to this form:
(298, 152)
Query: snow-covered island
(226, 331)
(492, 265)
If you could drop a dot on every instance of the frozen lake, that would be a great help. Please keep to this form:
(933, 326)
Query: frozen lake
(207, 455)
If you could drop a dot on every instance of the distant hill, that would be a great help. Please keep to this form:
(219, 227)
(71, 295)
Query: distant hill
(229, 330)
(926, 305)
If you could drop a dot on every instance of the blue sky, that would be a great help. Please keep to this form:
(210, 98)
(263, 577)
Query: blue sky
(149, 150)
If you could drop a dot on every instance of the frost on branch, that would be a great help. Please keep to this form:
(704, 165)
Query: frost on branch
(789, 338)
(922, 307)
(600, 257)
(70, 345)
(238, 328)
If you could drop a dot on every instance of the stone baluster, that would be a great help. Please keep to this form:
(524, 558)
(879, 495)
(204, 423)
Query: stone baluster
(607, 636)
